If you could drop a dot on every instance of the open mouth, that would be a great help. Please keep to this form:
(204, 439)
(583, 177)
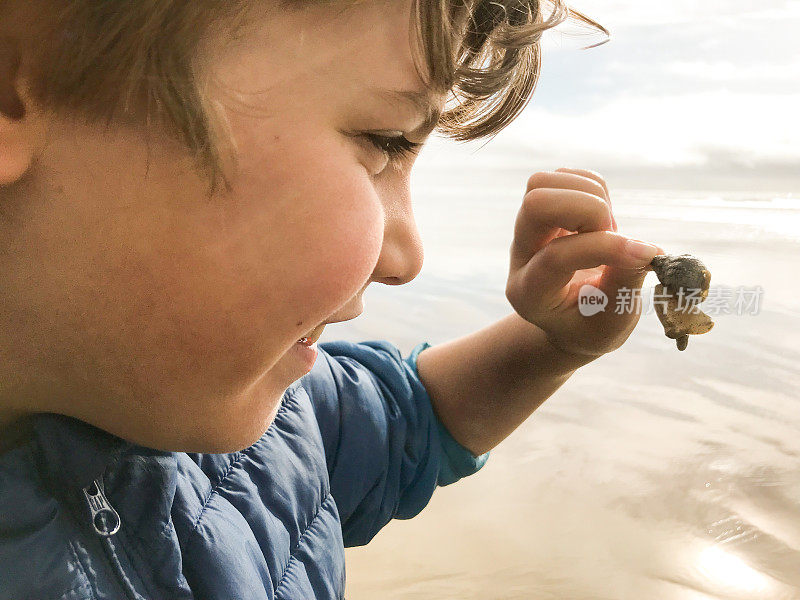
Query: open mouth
(312, 336)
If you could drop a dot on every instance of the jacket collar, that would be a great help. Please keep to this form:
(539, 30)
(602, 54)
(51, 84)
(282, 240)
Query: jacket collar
(72, 452)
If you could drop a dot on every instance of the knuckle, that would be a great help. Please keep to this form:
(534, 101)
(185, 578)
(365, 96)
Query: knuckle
(597, 189)
(511, 293)
(591, 179)
(534, 199)
(600, 210)
(618, 242)
(594, 175)
(536, 180)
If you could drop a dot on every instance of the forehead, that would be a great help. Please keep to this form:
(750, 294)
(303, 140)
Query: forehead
(359, 45)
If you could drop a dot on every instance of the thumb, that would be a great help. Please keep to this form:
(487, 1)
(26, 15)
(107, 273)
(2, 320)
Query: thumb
(614, 278)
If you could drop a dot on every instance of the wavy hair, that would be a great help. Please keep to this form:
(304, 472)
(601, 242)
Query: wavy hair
(487, 54)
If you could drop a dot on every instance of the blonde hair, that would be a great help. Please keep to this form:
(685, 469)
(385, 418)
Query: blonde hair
(487, 54)
(136, 61)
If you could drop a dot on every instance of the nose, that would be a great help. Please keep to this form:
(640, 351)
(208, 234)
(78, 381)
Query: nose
(401, 256)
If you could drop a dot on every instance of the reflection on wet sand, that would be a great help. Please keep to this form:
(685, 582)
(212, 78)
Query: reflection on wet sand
(651, 474)
(723, 570)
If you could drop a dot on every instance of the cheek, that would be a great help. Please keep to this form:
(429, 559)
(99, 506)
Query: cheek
(338, 256)
(325, 221)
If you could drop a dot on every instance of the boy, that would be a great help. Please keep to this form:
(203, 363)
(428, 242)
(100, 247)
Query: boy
(189, 191)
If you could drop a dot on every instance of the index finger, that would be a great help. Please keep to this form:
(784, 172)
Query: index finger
(593, 175)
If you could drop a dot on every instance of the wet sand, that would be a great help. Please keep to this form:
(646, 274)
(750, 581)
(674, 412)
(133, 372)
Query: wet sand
(652, 473)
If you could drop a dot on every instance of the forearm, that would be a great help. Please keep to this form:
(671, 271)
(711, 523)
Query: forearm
(484, 385)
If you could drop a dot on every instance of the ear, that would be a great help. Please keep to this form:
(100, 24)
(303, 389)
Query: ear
(20, 129)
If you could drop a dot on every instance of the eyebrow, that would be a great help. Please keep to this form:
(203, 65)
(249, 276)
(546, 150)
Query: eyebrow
(422, 101)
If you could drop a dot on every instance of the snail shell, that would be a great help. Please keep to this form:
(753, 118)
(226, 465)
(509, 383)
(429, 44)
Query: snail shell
(680, 275)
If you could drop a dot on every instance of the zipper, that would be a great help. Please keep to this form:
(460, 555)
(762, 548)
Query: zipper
(106, 523)
(105, 520)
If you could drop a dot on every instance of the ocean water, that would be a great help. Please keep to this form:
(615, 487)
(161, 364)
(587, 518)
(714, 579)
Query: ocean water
(652, 473)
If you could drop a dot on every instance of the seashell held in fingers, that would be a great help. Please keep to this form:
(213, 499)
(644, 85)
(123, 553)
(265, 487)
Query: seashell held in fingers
(685, 282)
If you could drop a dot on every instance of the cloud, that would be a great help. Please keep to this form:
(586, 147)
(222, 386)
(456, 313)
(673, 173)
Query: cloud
(507, 168)
(714, 72)
(685, 140)
(617, 14)
(664, 130)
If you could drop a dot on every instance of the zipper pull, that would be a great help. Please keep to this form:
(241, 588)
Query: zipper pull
(105, 519)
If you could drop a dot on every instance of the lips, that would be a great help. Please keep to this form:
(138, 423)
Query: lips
(312, 336)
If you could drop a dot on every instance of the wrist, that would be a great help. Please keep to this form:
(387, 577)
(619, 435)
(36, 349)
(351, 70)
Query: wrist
(569, 359)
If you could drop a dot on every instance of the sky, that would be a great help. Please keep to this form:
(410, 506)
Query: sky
(688, 94)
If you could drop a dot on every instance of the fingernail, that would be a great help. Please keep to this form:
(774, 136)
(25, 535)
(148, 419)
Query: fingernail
(640, 250)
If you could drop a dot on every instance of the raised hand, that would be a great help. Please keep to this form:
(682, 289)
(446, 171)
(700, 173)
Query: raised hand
(566, 237)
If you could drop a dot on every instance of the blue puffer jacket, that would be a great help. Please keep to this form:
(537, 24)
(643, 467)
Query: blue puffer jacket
(355, 443)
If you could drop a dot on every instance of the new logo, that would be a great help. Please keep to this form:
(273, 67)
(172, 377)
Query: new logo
(591, 300)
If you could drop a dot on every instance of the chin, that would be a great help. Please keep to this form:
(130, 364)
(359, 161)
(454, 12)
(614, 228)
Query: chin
(236, 435)
(210, 441)
(213, 426)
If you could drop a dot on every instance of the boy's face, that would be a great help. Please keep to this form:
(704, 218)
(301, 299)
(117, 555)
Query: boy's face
(132, 301)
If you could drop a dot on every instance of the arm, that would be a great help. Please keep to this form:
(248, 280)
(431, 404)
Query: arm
(484, 385)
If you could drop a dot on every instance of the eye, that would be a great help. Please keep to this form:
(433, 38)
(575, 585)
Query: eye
(394, 146)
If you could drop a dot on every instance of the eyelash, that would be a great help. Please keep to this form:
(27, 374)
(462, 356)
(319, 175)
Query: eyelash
(395, 147)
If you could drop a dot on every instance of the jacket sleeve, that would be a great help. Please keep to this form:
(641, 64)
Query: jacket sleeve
(385, 448)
